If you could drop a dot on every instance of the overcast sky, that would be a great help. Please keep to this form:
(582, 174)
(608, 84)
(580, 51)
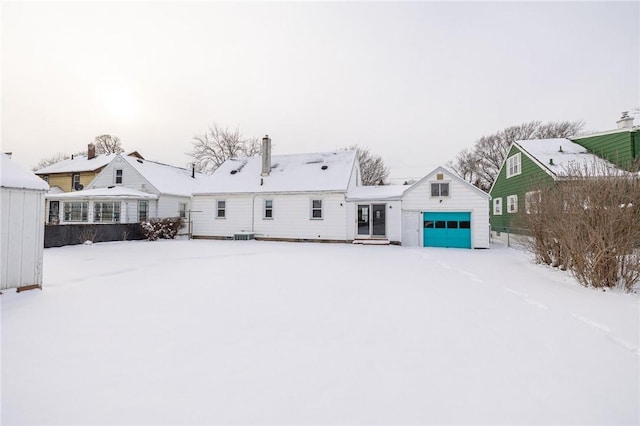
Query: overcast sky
(414, 82)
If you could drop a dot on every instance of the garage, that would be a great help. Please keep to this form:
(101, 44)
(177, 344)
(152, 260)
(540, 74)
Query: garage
(447, 229)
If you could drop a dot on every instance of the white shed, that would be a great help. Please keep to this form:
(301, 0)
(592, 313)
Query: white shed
(443, 210)
(22, 226)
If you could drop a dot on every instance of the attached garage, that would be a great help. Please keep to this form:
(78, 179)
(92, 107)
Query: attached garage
(443, 210)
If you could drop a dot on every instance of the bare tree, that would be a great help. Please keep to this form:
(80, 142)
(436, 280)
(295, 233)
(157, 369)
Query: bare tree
(217, 145)
(372, 168)
(588, 224)
(488, 153)
(108, 144)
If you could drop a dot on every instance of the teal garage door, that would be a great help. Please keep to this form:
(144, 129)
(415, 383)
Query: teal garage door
(447, 229)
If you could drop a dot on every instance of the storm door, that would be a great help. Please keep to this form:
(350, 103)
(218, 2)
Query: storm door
(371, 220)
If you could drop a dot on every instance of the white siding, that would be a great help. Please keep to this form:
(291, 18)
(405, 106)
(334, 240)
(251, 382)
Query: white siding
(169, 205)
(462, 198)
(22, 229)
(130, 177)
(291, 216)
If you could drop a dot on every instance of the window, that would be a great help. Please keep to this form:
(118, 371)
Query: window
(119, 177)
(532, 200)
(440, 189)
(316, 209)
(268, 209)
(143, 211)
(465, 224)
(54, 211)
(512, 204)
(497, 206)
(106, 211)
(452, 224)
(221, 211)
(45, 178)
(440, 224)
(75, 182)
(76, 211)
(513, 165)
(182, 210)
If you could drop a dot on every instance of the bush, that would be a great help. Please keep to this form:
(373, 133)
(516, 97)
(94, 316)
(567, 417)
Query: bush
(166, 228)
(589, 224)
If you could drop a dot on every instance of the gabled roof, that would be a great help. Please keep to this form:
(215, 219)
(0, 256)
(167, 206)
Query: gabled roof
(79, 163)
(382, 193)
(165, 178)
(13, 175)
(319, 172)
(120, 192)
(451, 175)
(560, 156)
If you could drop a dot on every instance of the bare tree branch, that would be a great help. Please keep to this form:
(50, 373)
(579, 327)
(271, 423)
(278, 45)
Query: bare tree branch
(108, 144)
(372, 168)
(217, 145)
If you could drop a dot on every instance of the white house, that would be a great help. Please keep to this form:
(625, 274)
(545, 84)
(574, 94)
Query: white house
(128, 190)
(374, 214)
(22, 226)
(288, 197)
(443, 210)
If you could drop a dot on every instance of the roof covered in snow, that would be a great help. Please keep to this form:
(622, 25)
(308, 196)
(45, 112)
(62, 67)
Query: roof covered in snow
(14, 175)
(110, 192)
(79, 163)
(325, 171)
(561, 157)
(386, 192)
(165, 178)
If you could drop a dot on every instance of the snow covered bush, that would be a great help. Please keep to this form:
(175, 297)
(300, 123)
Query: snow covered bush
(157, 228)
(590, 225)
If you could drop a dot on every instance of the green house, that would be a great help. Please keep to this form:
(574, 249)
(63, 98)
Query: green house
(620, 146)
(530, 165)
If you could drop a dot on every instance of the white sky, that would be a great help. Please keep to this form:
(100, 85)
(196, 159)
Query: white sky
(414, 82)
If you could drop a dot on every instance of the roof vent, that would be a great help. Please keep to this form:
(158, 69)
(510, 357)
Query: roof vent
(560, 150)
(325, 167)
(139, 161)
(551, 161)
(234, 171)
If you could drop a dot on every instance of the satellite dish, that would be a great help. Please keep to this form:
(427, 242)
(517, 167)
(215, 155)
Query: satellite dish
(79, 187)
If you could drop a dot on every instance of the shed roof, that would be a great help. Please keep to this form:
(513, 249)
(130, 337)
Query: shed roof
(13, 175)
(386, 192)
(318, 172)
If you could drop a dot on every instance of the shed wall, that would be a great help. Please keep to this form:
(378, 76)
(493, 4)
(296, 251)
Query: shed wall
(22, 238)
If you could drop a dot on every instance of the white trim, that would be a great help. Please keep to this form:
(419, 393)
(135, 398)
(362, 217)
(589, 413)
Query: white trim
(497, 206)
(312, 208)
(514, 165)
(224, 209)
(512, 203)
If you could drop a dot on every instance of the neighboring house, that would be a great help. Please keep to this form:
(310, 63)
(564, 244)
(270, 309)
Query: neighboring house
(530, 165)
(620, 146)
(318, 197)
(287, 197)
(127, 190)
(22, 227)
(75, 173)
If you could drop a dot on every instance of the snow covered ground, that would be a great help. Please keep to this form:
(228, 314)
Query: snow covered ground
(246, 332)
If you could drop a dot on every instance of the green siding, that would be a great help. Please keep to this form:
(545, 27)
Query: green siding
(621, 148)
(532, 177)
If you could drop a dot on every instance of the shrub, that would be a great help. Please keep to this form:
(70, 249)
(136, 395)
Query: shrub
(166, 228)
(589, 224)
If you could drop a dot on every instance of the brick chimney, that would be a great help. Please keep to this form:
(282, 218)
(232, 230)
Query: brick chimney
(625, 122)
(266, 156)
(91, 151)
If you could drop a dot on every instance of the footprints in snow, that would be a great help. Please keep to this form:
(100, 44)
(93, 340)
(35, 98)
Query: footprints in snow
(607, 332)
(526, 298)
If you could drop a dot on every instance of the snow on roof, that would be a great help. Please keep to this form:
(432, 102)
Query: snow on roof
(386, 192)
(109, 192)
(79, 163)
(325, 171)
(561, 156)
(14, 175)
(165, 178)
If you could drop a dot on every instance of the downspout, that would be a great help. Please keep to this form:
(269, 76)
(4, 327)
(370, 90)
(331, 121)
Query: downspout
(253, 211)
